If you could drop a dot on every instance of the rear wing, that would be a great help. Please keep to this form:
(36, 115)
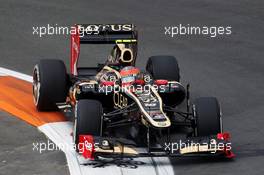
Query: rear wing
(99, 34)
(104, 34)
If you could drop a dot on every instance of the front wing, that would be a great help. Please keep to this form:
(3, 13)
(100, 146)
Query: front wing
(92, 147)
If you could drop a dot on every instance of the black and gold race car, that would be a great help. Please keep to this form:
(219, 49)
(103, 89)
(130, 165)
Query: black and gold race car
(117, 108)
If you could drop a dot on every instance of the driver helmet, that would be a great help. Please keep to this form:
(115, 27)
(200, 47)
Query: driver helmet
(129, 75)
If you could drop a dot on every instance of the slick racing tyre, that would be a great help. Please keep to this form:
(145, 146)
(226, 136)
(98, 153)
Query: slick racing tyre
(49, 84)
(207, 113)
(88, 115)
(163, 67)
(166, 68)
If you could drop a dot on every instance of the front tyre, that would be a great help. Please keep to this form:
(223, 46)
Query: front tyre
(88, 119)
(207, 113)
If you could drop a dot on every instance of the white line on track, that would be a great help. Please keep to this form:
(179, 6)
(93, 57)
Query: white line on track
(4, 71)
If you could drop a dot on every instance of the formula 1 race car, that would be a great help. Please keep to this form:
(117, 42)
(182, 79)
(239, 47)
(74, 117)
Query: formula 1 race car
(117, 108)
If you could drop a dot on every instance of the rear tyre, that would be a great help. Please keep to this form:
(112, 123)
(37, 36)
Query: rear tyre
(207, 113)
(49, 84)
(166, 68)
(163, 67)
(88, 115)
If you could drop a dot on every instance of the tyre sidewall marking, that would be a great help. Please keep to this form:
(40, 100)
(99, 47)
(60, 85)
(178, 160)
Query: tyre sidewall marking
(36, 71)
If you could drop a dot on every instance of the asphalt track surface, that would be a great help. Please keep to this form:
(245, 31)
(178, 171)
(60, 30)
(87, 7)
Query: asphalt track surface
(230, 68)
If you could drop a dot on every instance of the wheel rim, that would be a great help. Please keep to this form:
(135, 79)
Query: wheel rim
(36, 85)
